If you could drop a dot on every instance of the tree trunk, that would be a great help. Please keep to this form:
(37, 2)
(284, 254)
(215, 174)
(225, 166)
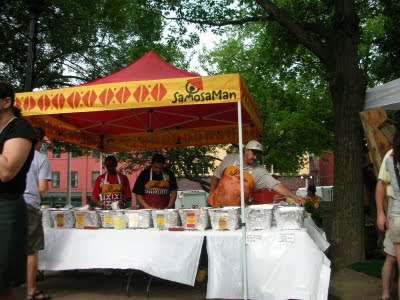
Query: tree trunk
(347, 85)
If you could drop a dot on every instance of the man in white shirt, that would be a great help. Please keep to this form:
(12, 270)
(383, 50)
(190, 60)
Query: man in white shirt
(37, 181)
(225, 184)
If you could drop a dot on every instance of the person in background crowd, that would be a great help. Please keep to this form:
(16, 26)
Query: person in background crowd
(37, 185)
(313, 197)
(156, 186)
(384, 187)
(17, 140)
(225, 184)
(111, 186)
(393, 224)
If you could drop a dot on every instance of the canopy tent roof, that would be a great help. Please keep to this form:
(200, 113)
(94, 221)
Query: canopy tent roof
(147, 105)
(386, 95)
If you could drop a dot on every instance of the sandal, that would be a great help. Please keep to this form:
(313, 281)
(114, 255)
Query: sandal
(38, 295)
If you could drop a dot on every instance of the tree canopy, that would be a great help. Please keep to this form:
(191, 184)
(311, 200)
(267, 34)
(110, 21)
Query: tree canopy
(288, 87)
(79, 41)
(332, 34)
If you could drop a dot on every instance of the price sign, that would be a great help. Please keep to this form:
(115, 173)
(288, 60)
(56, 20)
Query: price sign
(133, 220)
(286, 238)
(252, 238)
(160, 221)
(222, 223)
(80, 220)
(60, 220)
(190, 220)
(108, 221)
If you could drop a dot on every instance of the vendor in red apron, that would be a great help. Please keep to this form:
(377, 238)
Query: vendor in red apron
(156, 186)
(225, 184)
(111, 186)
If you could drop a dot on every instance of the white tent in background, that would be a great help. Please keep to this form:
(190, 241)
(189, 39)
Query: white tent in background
(386, 95)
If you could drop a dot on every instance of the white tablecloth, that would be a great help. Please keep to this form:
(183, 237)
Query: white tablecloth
(169, 255)
(281, 265)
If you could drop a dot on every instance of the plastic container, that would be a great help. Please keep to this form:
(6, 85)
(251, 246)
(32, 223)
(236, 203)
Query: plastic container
(119, 220)
(226, 218)
(87, 219)
(63, 218)
(164, 219)
(194, 219)
(259, 217)
(47, 219)
(140, 218)
(289, 217)
(106, 217)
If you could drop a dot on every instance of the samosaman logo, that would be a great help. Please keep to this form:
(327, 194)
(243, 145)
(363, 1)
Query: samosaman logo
(194, 88)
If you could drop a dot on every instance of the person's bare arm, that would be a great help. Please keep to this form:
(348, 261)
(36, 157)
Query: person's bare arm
(143, 202)
(43, 187)
(381, 220)
(15, 153)
(284, 191)
(172, 199)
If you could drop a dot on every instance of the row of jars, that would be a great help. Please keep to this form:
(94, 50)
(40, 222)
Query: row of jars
(258, 217)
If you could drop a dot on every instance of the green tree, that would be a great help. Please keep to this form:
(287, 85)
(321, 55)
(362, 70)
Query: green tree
(292, 100)
(80, 40)
(330, 31)
(384, 61)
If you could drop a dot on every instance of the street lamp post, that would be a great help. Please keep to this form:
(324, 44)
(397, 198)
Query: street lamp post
(35, 8)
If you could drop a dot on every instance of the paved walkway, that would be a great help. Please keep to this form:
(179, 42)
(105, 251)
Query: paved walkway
(345, 284)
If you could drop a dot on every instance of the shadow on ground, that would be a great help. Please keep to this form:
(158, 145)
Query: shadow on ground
(93, 285)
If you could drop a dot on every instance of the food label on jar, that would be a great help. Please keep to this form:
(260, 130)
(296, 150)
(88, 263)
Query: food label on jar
(60, 220)
(160, 221)
(191, 220)
(222, 223)
(133, 220)
(80, 220)
(108, 221)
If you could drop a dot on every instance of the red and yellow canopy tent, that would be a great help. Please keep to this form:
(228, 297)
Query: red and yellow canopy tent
(149, 104)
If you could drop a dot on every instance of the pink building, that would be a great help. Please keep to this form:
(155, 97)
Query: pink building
(84, 171)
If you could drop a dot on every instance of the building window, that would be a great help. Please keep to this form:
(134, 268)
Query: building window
(96, 154)
(56, 154)
(74, 179)
(95, 174)
(55, 179)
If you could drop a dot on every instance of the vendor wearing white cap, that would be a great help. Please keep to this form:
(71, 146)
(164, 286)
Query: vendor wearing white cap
(225, 184)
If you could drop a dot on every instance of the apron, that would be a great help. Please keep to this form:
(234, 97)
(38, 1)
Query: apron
(111, 193)
(227, 192)
(156, 193)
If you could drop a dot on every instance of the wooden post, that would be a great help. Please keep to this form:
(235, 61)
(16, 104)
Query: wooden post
(378, 143)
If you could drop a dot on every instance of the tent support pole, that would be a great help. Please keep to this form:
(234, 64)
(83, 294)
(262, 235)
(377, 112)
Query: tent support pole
(69, 178)
(244, 256)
